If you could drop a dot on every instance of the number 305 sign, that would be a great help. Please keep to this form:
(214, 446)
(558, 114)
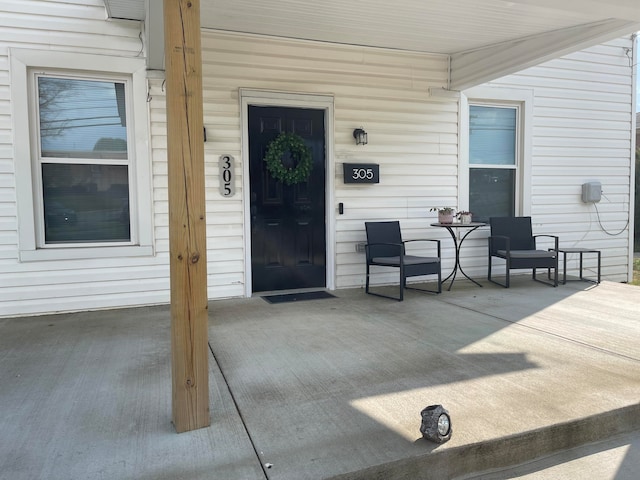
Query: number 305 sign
(227, 183)
(361, 172)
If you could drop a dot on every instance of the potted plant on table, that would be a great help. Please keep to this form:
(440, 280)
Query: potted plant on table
(464, 217)
(445, 214)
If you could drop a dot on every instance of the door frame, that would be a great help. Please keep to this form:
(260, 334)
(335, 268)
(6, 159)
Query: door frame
(295, 100)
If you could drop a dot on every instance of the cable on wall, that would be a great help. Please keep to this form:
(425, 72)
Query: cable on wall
(604, 229)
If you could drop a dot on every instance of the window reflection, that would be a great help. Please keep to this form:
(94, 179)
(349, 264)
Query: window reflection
(82, 118)
(492, 135)
(491, 193)
(85, 203)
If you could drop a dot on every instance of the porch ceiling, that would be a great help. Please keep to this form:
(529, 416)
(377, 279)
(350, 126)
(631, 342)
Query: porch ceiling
(485, 39)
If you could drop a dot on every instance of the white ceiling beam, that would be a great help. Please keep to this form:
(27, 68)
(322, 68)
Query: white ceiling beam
(625, 9)
(154, 34)
(475, 67)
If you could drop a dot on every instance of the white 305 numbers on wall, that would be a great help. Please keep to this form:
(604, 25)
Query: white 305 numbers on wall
(227, 183)
(362, 174)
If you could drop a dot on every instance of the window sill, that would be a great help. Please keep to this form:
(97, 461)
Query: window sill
(76, 253)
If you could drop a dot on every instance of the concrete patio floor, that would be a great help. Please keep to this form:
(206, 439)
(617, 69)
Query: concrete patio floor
(334, 388)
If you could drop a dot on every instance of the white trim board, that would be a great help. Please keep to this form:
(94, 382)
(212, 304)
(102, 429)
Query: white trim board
(21, 60)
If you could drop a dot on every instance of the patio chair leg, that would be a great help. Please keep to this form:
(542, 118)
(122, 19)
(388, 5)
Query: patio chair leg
(492, 280)
(366, 285)
(550, 283)
(368, 290)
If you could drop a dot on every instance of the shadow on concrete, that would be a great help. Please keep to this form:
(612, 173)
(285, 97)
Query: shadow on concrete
(324, 388)
(338, 386)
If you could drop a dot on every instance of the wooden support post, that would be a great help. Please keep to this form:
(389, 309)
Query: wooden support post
(187, 224)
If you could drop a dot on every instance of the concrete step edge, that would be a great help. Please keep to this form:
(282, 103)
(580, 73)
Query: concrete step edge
(476, 458)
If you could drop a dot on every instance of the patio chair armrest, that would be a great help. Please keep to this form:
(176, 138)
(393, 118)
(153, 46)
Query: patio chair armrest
(555, 238)
(494, 248)
(437, 242)
(388, 244)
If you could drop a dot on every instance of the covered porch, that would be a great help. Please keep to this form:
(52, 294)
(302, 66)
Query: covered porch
(332, 388)
(470, 44)
(482, 40)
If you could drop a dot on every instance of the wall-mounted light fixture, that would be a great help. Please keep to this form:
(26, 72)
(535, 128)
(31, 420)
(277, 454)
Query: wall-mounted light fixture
(361, 136)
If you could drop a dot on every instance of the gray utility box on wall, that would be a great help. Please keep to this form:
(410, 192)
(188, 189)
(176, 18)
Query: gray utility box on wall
(591, 192)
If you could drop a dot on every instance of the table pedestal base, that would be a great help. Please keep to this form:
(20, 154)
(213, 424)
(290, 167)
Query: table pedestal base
(457, 245)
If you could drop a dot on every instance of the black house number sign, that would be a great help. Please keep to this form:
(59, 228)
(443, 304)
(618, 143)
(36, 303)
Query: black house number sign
(227, 184)
(361, 172)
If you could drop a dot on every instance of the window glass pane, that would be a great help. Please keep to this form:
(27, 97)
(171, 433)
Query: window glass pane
(85, 203)
(82, 118)
(491, 193)
(492, 135)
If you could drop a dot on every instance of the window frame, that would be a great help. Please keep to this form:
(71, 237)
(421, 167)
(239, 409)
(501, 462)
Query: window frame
(24, 65)
(517, 165)
(39, 159)
(492, 96)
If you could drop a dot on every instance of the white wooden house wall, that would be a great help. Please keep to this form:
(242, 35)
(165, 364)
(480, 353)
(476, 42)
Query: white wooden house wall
(40, 287)
(413, 138)
(581, 131)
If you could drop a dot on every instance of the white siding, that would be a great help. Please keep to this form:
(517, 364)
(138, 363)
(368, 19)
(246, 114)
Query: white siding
(39, 287)
(225, 256)
(412, 137)
(582, 132)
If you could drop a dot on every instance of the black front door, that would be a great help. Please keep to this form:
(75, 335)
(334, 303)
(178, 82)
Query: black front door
(288, 240)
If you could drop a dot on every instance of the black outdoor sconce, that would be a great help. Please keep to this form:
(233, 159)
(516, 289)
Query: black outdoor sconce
(361, 136)
(436, 424)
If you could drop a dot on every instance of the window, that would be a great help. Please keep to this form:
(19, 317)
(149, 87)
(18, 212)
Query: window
(493, 160)
(83, 162)
(81, 149)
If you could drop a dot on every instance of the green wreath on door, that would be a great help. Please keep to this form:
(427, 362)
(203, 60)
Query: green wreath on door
(295, 145)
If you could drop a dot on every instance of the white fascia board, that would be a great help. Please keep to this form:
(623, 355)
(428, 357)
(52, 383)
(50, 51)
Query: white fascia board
(476, 67)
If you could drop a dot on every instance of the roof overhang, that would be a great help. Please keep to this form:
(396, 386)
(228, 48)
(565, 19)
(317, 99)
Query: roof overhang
(484, 39)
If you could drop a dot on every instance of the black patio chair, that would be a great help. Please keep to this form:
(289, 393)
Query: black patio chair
(512, 240)
(385, 248)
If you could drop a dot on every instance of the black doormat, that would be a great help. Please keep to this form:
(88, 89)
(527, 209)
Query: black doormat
(297, 297)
